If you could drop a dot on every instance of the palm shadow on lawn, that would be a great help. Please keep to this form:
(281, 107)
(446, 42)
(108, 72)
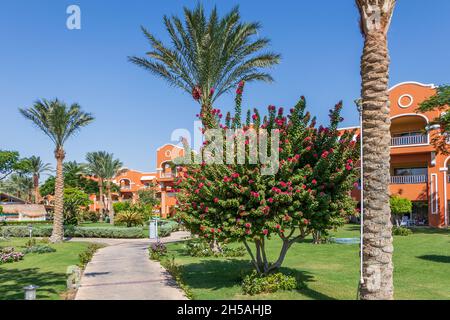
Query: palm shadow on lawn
(435, 258)
(19, 278)
(216, 274)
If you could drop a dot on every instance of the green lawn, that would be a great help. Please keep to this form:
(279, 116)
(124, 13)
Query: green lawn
(329, 271)
(44, 270)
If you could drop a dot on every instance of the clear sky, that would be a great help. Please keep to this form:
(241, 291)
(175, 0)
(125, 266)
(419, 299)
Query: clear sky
(137, 112)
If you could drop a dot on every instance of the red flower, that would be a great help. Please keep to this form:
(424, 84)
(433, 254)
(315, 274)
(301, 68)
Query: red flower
(277, 226)
(216, 200)
(235, 175)
(212, 230)
(248, 225)
(196, 93)
(314, 181)
(265, 232)
(270, 200)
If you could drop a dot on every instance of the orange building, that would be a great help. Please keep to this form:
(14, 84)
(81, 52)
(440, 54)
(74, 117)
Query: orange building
(131, 182)
(418, 172)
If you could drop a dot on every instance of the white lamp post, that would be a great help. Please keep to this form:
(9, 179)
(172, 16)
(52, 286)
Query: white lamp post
(30, 292)
(30, 229)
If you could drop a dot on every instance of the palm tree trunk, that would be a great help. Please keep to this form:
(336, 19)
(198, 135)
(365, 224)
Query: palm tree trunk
(377, 252)
(100, 202)
(58, 218)
(110, 204)
(36, 188)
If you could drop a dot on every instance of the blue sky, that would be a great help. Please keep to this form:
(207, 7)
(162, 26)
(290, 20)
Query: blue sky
(137, 112)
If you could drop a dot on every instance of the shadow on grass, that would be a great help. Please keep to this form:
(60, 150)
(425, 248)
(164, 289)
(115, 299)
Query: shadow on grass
(429, 230)
(12, 282)
(436, 258)
(217, 274)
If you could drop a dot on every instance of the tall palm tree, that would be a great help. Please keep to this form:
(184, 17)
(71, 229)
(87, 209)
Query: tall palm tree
(94, 167)
(36, 167)
(377, 278)
(59, 122)
(111, 168)
(208, 56)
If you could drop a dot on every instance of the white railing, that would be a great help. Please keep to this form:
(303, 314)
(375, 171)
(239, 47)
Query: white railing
(408, 179)
(409, 140)
(167, 175)
(125, 187)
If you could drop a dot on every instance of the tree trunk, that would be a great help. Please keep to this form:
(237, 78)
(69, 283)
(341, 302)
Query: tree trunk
(377, 251)
(36, 188)
(100, 202)
(110, 204)
(58, 218)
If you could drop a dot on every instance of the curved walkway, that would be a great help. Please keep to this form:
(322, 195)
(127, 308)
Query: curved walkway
(123, 271)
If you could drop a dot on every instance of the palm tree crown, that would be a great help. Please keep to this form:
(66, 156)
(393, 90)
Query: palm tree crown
(208, 57)
(36, 166)
(56, 120)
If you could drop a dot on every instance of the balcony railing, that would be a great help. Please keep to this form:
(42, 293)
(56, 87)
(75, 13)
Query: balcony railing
(408, 179)
(409, 140)
(125, 187)
(167, 175)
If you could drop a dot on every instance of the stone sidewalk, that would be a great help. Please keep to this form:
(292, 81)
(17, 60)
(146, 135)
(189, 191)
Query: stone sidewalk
(123, 271)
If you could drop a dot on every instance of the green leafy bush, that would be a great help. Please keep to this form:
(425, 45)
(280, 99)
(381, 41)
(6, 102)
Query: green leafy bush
(256, 284)
(39, 249)
(199, 248)
(87, 254)
(130, 218)
(401, 231)
(26, 223)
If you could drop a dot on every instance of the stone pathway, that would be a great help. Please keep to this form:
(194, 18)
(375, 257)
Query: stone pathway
(123, 271)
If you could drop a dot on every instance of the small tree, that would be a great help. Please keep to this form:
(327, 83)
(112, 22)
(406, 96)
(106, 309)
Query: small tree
(309, 192)
(399, 207)
(75, 200)
(440, 101)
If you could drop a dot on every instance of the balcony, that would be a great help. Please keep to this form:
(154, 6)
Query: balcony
(125, 187)
(413, 179)
(167, 175)
(409, 140)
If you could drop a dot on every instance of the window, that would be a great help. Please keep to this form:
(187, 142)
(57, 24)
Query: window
(410, 171)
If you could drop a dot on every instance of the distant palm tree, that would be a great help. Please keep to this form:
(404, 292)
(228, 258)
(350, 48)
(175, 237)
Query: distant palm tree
(94, 167)
(377, 272)
(36, 167)
(59, 122)
(20, 185)
(208, 57)
(111, 169)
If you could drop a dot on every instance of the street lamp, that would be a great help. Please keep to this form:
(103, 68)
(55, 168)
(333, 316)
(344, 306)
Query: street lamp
(30, 292)
(30, 229)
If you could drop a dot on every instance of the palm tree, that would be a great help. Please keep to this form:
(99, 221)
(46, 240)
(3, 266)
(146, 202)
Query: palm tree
(208, 57)
(377, 269)
(20, 185)
(111, 168)
(94, 167)
(59, 122)
(36, 167)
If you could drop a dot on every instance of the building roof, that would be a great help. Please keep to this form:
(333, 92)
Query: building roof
(7, 198)
(28, 210)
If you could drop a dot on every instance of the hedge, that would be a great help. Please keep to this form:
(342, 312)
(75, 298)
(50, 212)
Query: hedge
(167, 227)
(25, 223)
(71, 231)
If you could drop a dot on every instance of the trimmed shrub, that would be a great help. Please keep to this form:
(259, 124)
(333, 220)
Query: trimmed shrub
(26, 223)
(196, 248)
(401, 231)
(72, 231)
(39, 249)
(166, 227)
(130, 218)
(256, 284)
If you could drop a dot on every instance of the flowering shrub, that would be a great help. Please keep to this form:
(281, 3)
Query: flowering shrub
(10, 255)
(255, 283)
(309, 191)
(157, 250)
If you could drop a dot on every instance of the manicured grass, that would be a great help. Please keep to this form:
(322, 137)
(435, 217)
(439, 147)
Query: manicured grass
(48, 270)
(329, 271)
